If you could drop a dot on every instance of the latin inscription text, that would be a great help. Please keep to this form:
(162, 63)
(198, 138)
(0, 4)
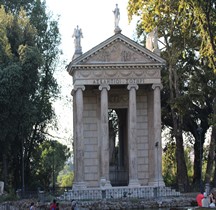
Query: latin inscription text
(119, 81)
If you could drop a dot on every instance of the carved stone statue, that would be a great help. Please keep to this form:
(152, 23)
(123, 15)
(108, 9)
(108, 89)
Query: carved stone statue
(152, 41)
(77, 41)
(149, 43)
(117, 18)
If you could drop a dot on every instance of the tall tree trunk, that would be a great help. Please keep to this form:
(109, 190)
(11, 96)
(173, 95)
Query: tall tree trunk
(198, 158)
(182, 176)
(5, 171)
(214, 137)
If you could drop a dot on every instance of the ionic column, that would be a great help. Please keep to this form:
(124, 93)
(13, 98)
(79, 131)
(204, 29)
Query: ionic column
(79, 138)
(132, 136)
(104, 121)
(158, 180)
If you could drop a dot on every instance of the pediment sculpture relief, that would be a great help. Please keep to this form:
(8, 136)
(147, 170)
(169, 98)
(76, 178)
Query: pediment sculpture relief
(118, 52)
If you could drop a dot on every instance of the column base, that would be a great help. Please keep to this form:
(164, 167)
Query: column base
(79, 186)
(157, 183)
(134, 183)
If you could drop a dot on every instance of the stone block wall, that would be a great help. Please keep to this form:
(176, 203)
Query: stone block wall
(142, 138)
(91, 130)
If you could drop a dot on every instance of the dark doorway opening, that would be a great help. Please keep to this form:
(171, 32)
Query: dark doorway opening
(118, 144)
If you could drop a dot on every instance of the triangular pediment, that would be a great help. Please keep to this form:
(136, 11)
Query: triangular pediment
(118, 49)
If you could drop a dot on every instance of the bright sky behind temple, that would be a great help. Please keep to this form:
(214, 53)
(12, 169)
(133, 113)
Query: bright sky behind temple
(94, 17)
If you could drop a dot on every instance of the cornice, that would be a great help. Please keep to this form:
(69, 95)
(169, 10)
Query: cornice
(137, 49)
(123, 66)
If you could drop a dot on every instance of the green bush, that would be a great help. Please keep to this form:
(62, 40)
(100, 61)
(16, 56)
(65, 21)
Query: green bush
(8, 197)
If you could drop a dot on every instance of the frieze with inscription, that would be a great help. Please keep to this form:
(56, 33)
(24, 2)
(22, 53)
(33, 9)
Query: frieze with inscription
(119, 81)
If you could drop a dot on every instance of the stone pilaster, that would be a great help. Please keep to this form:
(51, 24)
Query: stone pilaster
(79, 138)
(157, 179)
(132, 136)
(104, 122)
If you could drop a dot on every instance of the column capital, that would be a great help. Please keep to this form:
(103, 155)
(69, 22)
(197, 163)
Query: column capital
(157, 85)
(76, 87)
(130, 86)
(104, 86)
(73, 91)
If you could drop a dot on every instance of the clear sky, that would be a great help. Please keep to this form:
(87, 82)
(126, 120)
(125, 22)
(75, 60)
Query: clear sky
(96, 19)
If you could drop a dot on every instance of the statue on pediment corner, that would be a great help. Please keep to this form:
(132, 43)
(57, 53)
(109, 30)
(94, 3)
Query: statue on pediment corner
(77, 39)
(117, 19)
(152, 41)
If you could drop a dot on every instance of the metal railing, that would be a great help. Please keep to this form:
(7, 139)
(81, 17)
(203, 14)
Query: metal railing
(118, 177)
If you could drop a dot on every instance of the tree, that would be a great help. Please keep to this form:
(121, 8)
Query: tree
(169, 164)
(165, 17)
(48, 160)
(47, 41)
(202, 15)
(181, 109)
(18, 81)
(199, 105)
(29, 56)
(66, 176)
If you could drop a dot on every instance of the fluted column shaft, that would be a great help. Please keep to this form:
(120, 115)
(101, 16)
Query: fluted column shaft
(132, 136)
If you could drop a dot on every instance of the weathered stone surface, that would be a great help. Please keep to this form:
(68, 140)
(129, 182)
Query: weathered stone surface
(186, 200)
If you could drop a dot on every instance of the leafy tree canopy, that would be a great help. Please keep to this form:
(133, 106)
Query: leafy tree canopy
(29, 53)
(194, 16)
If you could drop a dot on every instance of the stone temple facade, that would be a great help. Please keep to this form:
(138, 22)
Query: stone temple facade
(117, 118)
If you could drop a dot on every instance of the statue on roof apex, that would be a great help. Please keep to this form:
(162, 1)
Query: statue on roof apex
(117, 18)
(77, 41)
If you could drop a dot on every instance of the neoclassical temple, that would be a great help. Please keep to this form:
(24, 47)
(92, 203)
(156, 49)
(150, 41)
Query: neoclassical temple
(116, 115)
